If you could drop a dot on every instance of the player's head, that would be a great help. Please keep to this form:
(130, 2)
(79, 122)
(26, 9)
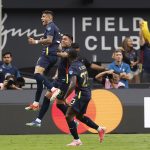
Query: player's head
(7, 57)
(66, 40)
(72, 54)
(47, 16)
(118, 55)
(75, 46)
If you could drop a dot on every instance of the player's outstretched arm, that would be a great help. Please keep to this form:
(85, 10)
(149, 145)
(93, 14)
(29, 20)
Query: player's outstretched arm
(47, 41)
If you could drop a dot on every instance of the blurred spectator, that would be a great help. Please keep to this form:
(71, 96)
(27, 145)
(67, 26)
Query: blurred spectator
(110, 79)
(120, 67)
(145, 50)
(131, 57)
(7, 68)
(11, 83)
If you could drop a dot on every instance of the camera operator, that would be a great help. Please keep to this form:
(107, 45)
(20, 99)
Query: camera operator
(12, 83)
(110, 79)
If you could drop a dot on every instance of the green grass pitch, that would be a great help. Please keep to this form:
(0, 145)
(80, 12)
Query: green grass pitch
(90, 142)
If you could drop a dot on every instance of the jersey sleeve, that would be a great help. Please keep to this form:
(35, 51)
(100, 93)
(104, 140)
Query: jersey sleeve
(73, 71)
(50, 30)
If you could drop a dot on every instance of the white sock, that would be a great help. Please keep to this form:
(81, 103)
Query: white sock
(38, 120)
(99, 128)
(78, 140)
(53, 89)
(35, 103)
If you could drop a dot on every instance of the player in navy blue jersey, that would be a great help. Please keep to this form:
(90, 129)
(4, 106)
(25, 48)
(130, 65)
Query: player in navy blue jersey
(79, 81)
(6, 68)
(50, 42)
(61, 83)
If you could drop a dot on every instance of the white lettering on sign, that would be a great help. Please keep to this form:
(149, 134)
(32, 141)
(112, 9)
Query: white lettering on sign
(15, 32)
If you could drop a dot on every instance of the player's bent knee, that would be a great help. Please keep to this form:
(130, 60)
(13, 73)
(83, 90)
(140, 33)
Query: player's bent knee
(39, 70)
(48, 94)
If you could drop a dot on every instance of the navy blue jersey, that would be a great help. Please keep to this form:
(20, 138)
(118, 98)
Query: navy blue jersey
(63, 68)
(79, 70)
(51, 30)
(6, 70)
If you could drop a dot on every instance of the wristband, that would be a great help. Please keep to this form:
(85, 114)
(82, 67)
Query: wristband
(36, 41)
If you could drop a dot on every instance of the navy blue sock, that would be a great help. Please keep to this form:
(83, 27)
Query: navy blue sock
(44, 108)
(86, 120)
(73, 130)
(62, 108)
(39, 89)
(43, 79)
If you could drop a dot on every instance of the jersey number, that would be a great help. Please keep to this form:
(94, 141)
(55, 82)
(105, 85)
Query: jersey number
(84, 76)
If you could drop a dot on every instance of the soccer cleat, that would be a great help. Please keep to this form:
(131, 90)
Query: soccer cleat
(33, 124)
(75, 143)
(54, 94)
(33, 107)
(101, 134)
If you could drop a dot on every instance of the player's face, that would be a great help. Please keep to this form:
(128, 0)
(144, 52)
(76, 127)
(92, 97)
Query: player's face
(130, 43)
(7, 59)
(118, 56)
(46, 19)
(65, 42)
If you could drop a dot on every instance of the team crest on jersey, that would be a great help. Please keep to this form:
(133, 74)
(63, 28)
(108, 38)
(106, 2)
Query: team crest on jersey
(71, 72)
(49, 28)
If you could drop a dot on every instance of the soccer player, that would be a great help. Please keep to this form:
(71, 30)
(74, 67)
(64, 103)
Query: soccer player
(62, 83)
(50, 42)
(79, 81)
(7, 68)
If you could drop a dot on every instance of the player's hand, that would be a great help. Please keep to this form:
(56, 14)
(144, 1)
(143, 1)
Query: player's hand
(54, 77)
(5, 82)
(31, 40)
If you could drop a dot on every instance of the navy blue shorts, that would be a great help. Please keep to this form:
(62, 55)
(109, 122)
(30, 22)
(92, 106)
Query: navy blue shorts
(47, 61)
(79, 105)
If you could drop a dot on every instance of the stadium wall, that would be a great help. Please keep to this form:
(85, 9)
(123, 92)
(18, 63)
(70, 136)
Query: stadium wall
(97, 31)
(121, 111)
